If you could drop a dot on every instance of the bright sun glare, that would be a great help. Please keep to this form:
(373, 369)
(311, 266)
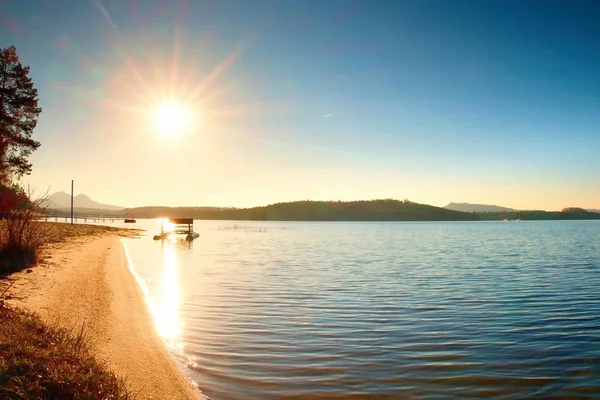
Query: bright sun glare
(172, 119)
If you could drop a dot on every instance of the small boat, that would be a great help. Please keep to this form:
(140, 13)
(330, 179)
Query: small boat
(129, 220)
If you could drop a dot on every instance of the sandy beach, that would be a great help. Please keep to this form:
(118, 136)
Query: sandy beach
(86, 280)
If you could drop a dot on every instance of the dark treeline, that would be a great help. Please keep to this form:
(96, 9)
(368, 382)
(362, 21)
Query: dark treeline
(566, 214)
(373, 210)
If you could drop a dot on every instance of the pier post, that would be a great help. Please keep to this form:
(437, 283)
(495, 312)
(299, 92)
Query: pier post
(71, 201)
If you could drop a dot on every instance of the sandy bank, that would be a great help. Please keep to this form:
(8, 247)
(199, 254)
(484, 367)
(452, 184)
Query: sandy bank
(87, 280)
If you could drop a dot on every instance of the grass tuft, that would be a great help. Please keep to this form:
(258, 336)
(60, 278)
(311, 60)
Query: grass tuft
(21, 233)
(42, 362)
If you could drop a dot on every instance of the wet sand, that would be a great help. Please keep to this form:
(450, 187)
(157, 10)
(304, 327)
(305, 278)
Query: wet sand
(86, 280)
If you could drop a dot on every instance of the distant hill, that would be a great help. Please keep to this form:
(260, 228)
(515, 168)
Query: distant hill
(364, 210)
(477, 208)
(372, 210)
(565, 214)
(62, 200)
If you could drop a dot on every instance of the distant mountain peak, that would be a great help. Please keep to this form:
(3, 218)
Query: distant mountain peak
(62, 199)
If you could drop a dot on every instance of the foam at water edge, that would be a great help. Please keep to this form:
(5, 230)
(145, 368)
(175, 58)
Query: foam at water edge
(149, 301)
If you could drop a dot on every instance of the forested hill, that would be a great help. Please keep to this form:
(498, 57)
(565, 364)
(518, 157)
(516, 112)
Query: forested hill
(566, 214)
(373, 210)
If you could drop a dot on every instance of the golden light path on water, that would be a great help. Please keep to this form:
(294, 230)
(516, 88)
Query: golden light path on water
(164, 305)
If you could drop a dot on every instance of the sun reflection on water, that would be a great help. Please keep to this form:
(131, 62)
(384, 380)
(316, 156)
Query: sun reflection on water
(165, 224)
(168, 297)
(164, 303)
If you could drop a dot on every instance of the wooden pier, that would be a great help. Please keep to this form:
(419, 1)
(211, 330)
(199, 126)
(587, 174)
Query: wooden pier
(80, 217)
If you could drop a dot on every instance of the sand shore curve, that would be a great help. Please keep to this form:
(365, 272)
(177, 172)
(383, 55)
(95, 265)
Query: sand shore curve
(87, 280)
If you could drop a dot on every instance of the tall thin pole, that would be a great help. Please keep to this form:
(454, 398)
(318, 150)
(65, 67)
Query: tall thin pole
(71, 201)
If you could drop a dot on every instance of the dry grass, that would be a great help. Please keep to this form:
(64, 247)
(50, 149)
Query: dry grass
(21, 250)
(59, 232)
(40, 362)
(21, 234)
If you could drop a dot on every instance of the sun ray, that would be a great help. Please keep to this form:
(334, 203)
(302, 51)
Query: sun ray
(120, 46)
(220, 68)
(174, 79)
(105, 15)
(213, 75)
(164, 85)
(193, 65)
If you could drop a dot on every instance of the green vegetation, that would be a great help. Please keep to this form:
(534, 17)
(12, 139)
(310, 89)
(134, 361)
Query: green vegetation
(373, 210)
(20, 233)
(38, 362)
(19, 113)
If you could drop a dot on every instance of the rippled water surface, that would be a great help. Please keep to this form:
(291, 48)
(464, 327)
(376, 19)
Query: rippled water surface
(266, 310)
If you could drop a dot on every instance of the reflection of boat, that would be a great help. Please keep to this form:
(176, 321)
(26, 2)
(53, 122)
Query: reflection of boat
(178, 226)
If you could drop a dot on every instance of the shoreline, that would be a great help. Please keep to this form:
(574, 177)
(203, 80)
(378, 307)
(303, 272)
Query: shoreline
(88, 281)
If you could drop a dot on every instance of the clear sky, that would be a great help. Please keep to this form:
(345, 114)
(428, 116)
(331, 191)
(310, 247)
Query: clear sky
(436, 101)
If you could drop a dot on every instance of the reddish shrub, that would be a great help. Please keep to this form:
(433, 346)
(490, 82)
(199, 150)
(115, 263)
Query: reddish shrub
(21, 232)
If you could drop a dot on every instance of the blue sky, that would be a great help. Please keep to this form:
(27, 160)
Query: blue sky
(436, 101)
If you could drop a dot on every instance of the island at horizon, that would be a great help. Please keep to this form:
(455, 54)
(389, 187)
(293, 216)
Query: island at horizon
(308, 210)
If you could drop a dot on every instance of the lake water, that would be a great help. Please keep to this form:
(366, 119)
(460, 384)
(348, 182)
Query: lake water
(275, 310)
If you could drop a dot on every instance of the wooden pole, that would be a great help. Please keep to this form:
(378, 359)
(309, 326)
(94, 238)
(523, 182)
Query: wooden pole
(71, 201)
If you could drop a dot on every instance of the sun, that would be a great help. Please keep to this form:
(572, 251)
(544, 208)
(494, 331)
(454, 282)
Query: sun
(172, 118)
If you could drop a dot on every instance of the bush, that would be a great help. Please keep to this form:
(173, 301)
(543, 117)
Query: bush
(21, 231)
